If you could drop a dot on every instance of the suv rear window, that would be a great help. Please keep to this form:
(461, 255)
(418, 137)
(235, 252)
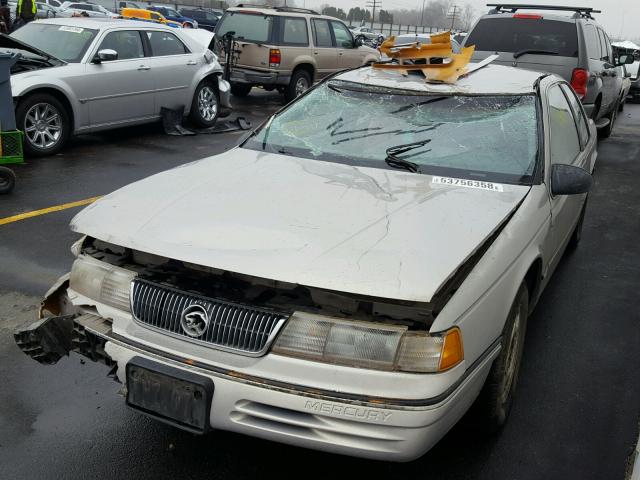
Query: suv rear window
(516, 34)
(251, 27)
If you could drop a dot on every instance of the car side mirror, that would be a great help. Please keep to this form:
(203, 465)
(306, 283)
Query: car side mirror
(569, 180)
(105, 55)
(359, 41)
(624, 59)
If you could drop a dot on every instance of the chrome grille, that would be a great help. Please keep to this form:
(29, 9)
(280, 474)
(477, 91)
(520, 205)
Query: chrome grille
(240, 328)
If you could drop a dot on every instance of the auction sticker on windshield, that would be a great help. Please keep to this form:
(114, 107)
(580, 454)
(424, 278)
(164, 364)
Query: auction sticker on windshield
(66, 28)
(461, 182)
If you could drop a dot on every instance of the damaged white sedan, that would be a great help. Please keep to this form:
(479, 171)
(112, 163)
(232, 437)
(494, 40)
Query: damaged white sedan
(352, 278)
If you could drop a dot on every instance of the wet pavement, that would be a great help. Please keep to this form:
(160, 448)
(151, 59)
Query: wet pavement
(578, 400)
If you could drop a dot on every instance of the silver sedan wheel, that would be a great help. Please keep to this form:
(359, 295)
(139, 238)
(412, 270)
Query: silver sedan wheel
(43, 125)
(207, 103)
(511, 363)
(302, 85)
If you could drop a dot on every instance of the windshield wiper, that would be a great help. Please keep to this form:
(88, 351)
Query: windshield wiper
(393, 160)
(526, 51)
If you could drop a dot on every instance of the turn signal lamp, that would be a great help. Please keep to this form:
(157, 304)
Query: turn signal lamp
(275, 57)
(368, 344)
(579, 80)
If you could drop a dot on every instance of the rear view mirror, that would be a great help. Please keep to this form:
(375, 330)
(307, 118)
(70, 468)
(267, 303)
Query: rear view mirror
(624, 59)
(105, 55)
(359, 41)
(569, 180)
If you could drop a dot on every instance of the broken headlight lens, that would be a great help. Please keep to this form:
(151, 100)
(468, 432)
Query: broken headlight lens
(102, 282)
(368, 345)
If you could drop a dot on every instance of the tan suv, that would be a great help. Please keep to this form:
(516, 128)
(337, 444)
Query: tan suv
(287, 48)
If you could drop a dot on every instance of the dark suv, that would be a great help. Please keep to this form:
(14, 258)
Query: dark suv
(206, 18)
(575, 47)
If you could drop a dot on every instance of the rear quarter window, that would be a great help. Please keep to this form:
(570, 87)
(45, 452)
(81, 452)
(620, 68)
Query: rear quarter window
(507, 34)
(250, 27)
(593, 42)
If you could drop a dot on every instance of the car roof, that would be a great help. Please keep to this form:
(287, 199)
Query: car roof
(281, 13)
(489, 80)
(99, 23)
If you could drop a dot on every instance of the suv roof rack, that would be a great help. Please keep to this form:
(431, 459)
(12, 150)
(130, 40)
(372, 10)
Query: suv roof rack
(581, 12)
(278, 9)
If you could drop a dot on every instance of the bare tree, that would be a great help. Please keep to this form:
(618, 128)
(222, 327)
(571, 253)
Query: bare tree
(467, 17)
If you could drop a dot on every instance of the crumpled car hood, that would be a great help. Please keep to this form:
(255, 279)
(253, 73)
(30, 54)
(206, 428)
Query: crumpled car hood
(378, 232)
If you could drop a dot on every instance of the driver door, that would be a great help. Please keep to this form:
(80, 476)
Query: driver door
(120, 90)
(569, 143)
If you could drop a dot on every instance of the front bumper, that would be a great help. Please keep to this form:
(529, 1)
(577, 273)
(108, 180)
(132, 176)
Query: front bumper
(303, 416)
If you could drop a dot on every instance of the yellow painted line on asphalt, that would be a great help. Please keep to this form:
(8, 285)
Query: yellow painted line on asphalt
(44, 211)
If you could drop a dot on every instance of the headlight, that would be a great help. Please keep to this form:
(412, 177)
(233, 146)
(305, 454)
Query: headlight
(101, 282)
(368, 344)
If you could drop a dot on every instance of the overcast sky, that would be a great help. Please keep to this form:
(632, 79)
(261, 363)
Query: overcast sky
(621, 18)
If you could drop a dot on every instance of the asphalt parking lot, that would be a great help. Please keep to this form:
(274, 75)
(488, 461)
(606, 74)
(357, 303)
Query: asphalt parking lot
(578, 402)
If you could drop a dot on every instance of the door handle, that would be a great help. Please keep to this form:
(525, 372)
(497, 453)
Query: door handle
(316, 53)
(192, 62)
(144, 67)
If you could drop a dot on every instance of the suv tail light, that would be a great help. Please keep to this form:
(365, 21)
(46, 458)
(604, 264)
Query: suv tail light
(579, 80)
(274, 57)
(530, 16)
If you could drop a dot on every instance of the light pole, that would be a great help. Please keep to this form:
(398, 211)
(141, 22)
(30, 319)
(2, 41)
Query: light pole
(422, 15)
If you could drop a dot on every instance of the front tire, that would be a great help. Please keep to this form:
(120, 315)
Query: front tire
(205, 106)
(45, 122)
(7, 180)
(496, 397)
(300, 83)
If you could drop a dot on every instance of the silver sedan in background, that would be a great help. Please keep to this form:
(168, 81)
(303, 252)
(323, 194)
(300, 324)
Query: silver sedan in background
(83, 75)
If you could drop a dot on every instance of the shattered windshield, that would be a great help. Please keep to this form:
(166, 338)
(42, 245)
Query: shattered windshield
(476, 137)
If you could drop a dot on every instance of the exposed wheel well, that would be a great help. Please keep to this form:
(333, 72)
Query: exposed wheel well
(307, 67)
(61, 97)
(533, 278)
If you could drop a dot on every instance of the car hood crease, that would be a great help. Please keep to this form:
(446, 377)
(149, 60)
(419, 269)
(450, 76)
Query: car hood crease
(370, 231)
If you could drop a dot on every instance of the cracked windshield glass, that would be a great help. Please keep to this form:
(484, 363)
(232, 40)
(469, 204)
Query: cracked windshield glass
(489, 138)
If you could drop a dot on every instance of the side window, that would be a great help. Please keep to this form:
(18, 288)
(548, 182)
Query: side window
(578, 113)
(344, 39)
(603, 47)
(563, 136)
(294, 31)
(593, 42)
(321, 33)
(127, 43)
(54, 3)
(165, 43)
